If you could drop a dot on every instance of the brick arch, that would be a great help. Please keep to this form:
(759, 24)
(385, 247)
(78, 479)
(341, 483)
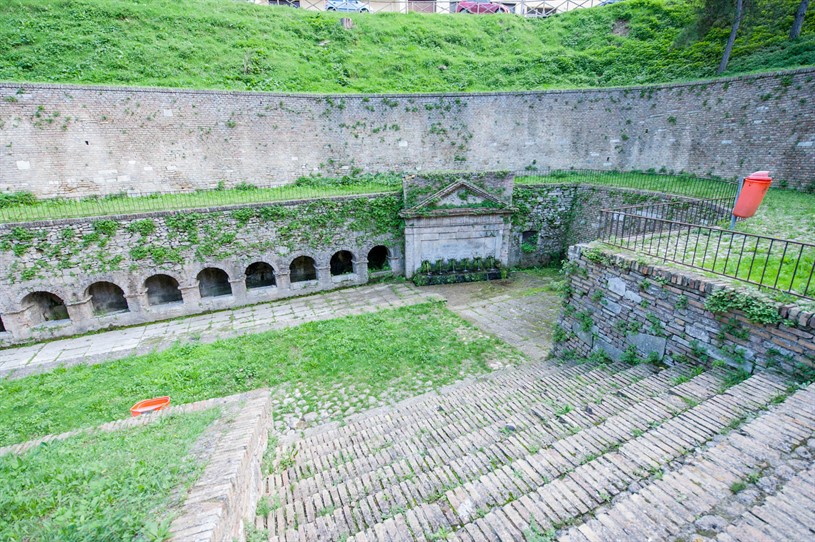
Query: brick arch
(342, 262)
(260, 274)
(376, 260)
(162, 289)
(107, 297)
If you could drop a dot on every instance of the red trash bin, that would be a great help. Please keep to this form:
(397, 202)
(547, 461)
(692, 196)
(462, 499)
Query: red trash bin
(752, 193)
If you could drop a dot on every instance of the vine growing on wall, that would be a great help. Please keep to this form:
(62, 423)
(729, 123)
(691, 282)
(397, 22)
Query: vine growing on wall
(105, 245)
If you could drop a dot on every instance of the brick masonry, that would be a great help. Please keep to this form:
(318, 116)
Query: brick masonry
(225, 496)
(617, 304)
(62, 140)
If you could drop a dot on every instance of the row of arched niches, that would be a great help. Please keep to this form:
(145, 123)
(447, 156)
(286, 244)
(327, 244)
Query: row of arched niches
(56, 311)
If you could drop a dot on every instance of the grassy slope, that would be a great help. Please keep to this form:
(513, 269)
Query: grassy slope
(401, 348)
(235, 45)
(100, 486)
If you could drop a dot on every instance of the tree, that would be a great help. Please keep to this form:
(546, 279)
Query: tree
(732, 39)
(799, 19)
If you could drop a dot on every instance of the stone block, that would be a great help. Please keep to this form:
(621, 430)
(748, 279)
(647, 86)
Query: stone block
(646, 344)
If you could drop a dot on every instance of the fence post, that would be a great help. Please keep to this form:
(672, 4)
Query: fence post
(732, 216)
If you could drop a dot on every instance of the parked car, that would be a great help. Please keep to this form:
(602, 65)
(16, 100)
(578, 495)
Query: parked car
(482, 7)
(285, 3)
(347, 5)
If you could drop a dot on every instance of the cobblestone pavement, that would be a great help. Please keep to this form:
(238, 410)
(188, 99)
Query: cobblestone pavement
(520, 311)
(146, 338)
(545, 451)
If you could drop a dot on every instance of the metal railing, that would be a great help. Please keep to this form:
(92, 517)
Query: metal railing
(25, 208)
(526, 8)
(686, 233)
(679, 185)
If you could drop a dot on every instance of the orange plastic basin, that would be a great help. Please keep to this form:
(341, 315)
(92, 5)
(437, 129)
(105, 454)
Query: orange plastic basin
(149, 405)
(752, 194)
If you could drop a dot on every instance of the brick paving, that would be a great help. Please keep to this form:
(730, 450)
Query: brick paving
(110, 345)
(546, 451)
(617, 452)
(578, 452)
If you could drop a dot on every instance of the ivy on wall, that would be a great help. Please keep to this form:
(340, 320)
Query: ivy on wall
(420, 186)
(163, 242)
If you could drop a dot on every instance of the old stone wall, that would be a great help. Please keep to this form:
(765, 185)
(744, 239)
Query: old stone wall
(68, 276)
(632, 310)
(552, 217)
(60, 140)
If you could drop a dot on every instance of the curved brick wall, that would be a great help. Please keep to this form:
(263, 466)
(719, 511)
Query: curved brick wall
(71, 140)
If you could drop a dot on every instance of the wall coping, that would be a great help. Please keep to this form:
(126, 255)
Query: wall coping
(694, 281)
(312, 96)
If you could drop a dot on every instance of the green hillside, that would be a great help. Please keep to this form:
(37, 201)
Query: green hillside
(234, 45)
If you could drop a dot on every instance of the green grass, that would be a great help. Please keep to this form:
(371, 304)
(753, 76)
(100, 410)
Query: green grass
(101, 486)
(22, 207)
(235, 45)
(681, 185)
(399, 348)
(783, 213)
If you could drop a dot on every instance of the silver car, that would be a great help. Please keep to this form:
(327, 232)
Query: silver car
(347, 5)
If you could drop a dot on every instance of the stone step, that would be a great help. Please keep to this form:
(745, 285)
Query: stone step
(665, 507)
(501, 480)
(371, 429)
(588, 486)
(538, 404)
(789, 514)
(473, 453)
(451, 418)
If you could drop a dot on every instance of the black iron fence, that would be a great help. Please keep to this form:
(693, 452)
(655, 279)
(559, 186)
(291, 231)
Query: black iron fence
(526, 8)
(680, 185)
(692, 234)
(23, 207)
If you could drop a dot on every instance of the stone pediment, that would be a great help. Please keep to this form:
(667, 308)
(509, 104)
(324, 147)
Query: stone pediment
(460, 197)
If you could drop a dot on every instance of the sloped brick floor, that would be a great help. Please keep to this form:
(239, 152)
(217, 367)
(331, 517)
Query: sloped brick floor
(548, 451)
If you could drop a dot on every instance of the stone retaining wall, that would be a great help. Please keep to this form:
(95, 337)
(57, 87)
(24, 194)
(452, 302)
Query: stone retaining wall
(101, 268)
(225, 496)
(631, 309)
(203, 256)
(63, 140)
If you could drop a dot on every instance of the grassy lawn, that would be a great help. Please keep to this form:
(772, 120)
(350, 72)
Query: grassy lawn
(236, 45)
(783, 213)
(21, 207)
(398, 349)
(101, 486)
(681, 185)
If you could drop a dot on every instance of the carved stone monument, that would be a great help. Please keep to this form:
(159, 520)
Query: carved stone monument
(457, 217)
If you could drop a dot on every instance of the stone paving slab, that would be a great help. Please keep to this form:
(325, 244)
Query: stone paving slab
(110, 345)
(519, 311)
